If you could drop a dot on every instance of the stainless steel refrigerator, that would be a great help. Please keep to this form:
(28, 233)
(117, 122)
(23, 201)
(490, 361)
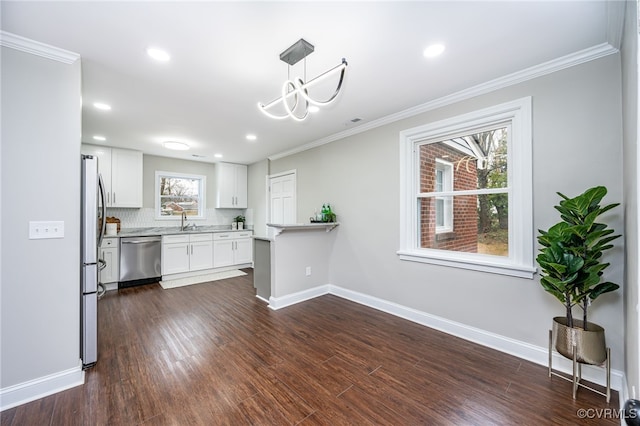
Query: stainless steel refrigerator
(93, 224)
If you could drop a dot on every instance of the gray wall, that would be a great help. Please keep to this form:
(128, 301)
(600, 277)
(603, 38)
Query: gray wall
(40, 331)
(577, 144)
(631, 188)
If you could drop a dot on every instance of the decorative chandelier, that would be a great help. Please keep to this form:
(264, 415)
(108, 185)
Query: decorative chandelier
(295, 98)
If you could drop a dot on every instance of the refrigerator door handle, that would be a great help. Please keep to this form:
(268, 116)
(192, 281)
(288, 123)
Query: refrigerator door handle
(103, 228)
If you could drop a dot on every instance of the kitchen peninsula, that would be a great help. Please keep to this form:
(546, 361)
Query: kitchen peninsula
(292, 264)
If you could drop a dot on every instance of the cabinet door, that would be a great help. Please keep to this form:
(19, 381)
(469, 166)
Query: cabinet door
(231, 186)
(175, 258)
(241, 186)
(222, 253)
(110, 272)
(104, 166)
(243, 252)
(201, 255)
(225, 185)
(126, 178)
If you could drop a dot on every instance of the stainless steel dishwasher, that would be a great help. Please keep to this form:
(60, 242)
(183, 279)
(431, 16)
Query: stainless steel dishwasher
(139, 260)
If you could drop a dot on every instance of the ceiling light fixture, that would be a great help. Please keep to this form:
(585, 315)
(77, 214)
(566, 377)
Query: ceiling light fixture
(176, 146)
(158, 54)
(217, 155)
(251, 137)
(298, 89)
(99, 138)
(433, 50)
(102, 106)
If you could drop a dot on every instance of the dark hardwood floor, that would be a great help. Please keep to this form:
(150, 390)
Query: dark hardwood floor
(214, 354)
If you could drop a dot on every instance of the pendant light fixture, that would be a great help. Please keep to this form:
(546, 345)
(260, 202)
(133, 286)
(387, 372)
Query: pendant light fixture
(295, 98)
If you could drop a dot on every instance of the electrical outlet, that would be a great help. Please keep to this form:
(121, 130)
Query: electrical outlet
(41, 230)
(308, 271)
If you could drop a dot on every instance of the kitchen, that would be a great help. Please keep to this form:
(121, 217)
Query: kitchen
(364, 193)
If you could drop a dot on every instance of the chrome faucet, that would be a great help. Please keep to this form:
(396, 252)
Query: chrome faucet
(183, 218)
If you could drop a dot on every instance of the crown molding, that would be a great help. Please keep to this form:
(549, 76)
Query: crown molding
(573, 59)
(26, 45)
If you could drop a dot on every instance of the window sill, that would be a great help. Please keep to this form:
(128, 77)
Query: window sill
(480, 263)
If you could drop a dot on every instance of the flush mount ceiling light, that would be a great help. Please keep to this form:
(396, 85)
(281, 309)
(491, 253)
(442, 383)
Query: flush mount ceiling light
(176, 146)
(295, 98)
(99, 138)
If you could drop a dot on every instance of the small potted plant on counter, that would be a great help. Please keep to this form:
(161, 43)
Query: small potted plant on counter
(239, 222)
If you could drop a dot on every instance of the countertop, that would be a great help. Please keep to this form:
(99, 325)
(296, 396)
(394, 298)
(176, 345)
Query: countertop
(172, 230)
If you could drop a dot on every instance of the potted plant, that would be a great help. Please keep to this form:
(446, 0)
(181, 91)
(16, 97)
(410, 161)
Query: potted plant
(239, 220)
(571, 270)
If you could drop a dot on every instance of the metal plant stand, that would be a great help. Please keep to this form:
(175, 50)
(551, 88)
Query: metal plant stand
(577, 371)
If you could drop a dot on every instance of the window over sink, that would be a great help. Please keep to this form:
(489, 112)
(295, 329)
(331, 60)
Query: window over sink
(178, 193)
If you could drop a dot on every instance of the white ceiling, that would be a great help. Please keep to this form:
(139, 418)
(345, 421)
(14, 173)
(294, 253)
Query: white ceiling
(225, 58)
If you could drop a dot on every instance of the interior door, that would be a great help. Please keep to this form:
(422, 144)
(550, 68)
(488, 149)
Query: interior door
(282, 198)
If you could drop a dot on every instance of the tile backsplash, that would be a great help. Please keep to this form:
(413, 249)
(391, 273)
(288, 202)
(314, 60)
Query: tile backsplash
(145, 218)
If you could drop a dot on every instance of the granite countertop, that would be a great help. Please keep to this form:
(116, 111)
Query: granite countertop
(172, 230)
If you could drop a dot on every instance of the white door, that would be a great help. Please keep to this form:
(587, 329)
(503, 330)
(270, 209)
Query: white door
(282, 199)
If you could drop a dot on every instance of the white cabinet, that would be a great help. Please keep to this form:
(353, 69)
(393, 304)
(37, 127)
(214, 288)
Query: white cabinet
(109, 254)
(232, 248)
(231, 186)
(185, 253)
(121, 171)
(201, 254)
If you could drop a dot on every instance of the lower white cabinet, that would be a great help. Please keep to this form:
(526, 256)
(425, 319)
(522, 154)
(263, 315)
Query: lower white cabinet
(109, 254)
(232, 248)
(186, 252)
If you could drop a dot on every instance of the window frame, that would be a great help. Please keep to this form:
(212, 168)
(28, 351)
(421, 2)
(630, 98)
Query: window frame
(201, 194)
(516, 114)
(447, 201)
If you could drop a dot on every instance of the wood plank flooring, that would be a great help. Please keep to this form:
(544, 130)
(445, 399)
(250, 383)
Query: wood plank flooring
(213, 354)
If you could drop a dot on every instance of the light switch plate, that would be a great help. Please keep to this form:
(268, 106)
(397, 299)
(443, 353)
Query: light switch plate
(40, 230)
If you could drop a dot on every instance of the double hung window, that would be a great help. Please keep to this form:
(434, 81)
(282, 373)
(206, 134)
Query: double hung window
(466, 191)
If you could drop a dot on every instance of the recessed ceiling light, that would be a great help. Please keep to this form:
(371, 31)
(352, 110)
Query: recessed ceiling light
(433, 50)
(99, 138)
(176, 146)
(313, 108)
(102, 106)
(217, 155)
(251, 137)
(158, 54)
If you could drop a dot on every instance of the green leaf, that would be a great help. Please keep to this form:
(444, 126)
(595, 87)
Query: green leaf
(602, 288)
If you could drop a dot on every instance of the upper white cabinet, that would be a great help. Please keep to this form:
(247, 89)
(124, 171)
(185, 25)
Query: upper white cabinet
(121, 171)
(231, 186)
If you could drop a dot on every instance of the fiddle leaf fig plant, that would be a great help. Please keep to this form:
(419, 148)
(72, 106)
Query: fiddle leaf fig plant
(570, 257)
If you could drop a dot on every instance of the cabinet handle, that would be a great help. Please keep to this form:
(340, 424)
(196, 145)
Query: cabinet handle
(187, 250)
(191, 248)
(114, 198)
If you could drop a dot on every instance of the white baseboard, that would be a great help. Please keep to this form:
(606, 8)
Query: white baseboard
(527, 351)
(276, 303)
(22, 393)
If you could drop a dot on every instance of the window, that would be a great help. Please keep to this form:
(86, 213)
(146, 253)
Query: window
(179, 193)
(443, 204)
(466, 191)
